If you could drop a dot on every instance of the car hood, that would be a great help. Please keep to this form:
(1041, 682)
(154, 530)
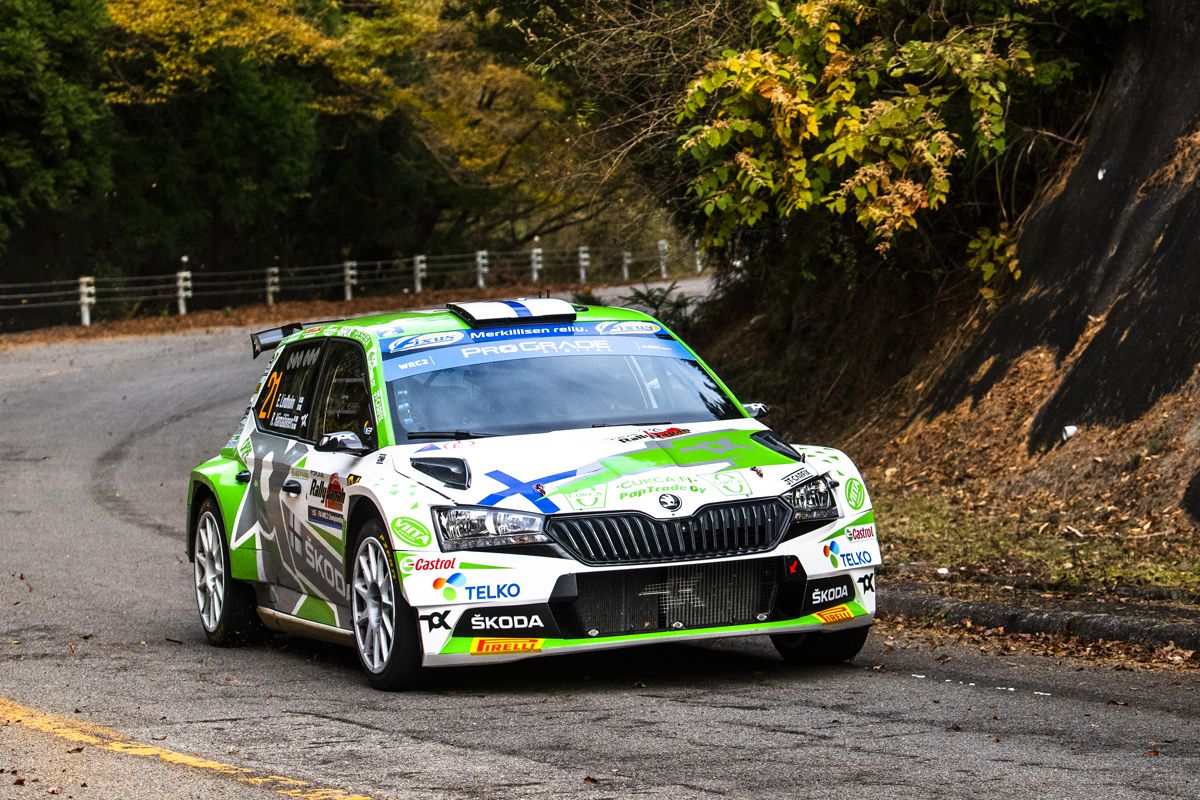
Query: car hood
(614, 468)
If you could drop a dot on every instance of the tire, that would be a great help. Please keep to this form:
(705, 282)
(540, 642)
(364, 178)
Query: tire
(392, 661)
(821, 648)
(227, 607)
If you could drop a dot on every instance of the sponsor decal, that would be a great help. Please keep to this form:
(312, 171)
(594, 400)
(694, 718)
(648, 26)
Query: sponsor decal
(414, 363)
(730, 484)
(352, 479)
(868, 582)
(628, 327)
(457, 582)
(856, 494)
(436, 620)
(587, 499)
(528, 620)
(335, 495)
(323, 517)
(424, 340)
(382, 457)
(482, 622)
(543, 347)
(861, 532)
(493, 591)
(316, 556)
(411, 532)
(669, 501)
(854, 558)
(757, 471)
(819, 596)
(821, 593)
(793, 478)
(637, 487)
(498, 647)
(410, 564)
(836, 614)
(451, 585)
(653, 433)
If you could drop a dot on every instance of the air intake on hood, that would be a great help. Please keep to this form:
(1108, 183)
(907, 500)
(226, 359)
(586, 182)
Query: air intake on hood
(453, 472)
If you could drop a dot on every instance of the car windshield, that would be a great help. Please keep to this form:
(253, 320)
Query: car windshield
(540, 385)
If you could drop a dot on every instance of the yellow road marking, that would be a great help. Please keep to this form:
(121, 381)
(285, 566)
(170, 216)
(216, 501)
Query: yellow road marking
(112, 741)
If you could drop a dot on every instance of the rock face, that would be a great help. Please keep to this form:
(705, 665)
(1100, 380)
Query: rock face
(1122, 239)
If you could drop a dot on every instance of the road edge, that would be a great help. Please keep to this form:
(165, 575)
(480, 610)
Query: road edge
(1146, 631)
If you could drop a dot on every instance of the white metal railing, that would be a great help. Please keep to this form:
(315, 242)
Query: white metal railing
(415, 273)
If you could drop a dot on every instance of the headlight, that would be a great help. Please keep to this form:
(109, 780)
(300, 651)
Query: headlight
(469, 528)
(813, 499)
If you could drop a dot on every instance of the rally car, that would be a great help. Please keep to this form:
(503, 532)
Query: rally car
(492, 481)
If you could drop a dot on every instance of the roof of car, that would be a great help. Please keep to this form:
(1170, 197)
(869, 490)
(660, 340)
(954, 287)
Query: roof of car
(433, 320)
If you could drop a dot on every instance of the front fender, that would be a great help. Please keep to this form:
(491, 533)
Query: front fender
(218, 476)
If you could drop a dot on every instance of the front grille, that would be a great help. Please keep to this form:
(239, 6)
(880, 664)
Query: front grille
(726, 529)
(621, 602)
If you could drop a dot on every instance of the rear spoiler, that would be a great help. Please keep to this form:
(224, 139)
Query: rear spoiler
(270, 339)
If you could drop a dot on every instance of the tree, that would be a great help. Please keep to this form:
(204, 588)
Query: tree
(53, 144)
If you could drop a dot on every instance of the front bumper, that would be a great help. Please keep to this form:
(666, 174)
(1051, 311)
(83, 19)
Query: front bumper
(478, 608)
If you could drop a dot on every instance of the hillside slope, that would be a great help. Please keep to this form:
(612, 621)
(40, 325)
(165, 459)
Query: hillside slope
(1103, 334)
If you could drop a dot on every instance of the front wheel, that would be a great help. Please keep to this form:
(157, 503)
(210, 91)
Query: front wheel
(227, 606)
(385, 630)
(821, 648)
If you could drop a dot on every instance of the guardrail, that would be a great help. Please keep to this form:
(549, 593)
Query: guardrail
(415, 273)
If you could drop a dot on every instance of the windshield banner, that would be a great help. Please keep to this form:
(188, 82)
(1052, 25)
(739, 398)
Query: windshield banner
(447, 356)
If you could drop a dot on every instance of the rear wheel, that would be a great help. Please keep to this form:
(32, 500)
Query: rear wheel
(227, 606)
(821, 648)
(385, 628)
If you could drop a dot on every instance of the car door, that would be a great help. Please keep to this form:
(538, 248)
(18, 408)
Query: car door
(343, 404)
(280, 444)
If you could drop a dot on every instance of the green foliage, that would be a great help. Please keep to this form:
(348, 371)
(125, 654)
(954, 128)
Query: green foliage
(52, 142)
(661, 302)
(833, 112)
(992, 253)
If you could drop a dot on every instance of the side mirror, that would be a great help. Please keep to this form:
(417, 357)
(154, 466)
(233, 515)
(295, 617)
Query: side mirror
(342, 442)
(755, 410)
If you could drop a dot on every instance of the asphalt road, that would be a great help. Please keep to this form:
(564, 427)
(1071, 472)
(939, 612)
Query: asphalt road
(99, 626)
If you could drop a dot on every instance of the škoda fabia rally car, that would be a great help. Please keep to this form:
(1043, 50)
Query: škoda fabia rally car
(499, 480)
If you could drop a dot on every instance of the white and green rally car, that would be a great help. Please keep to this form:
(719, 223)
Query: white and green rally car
(497, 480)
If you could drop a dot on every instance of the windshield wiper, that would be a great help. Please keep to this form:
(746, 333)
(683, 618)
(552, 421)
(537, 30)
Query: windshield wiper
(448, 435)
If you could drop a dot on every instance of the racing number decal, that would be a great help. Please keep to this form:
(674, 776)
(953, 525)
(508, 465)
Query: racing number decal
(272, 394)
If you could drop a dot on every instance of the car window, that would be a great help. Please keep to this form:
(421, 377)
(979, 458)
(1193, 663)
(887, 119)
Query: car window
(283, 406)
(345, 396)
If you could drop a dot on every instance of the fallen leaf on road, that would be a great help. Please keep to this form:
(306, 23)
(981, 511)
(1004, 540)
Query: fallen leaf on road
(1153, 753)
(954, 728)
(589, 779)
(75, 750)
(1117, 703)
